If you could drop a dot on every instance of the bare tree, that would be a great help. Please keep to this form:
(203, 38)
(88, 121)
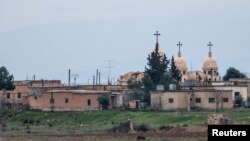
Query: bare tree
(218, 98)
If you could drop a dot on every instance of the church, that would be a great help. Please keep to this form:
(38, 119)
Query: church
(209, 70)
(208, 73)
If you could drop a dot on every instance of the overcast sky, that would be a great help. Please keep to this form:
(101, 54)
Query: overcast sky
(48, 37)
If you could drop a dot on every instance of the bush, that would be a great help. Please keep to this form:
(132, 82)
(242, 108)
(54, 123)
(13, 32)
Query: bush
(4, 127)
(165, 127)
(27, 121)
(125, 128)
(142, 128)
(122, 128)
(141, 138)
(104, 101)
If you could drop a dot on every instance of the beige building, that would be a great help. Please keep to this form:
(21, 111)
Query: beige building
(242, 82)
(15, 97)
(66, 100)
(133, 76)
(18, 96)
(237, 89)
(210, 99)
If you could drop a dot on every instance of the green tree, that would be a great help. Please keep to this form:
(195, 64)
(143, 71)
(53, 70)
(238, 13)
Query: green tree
(156, 72)
(233, 73)
(133, 84)
(6, 80)
(103, 101)
(175, 73)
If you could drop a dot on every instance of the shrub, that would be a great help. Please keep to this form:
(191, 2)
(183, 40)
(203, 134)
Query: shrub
(4, 127)
(104, 101)
(165, 127)
(122, 127)
(141, 138)
(142, 128)
(125, 128)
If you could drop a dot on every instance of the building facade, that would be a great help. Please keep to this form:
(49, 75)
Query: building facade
(66, 100)
(210, 99)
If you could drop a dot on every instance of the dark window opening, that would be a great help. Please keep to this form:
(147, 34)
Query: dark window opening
(52, 100)
(89, 102)
(66, 100)
(225, 99)
(8, 95)
(19, 95)
(236, 94)
(171, 100)
(198, 100)
(209, 72)
(190, 99)
(211, 100)
(184, 72)
(35, 97)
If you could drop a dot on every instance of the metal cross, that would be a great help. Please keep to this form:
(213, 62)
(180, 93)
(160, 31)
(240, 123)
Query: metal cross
(179, 44)
(157, 34)
(210, 45)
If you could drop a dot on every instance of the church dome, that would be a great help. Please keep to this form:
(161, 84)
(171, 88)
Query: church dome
(210, 63)
(181, 63)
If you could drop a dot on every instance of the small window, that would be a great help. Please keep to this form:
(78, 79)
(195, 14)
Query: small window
(8, 95)
(89, 102)
(225, 99)
(184, 72)
(52, 100)
(209, 72)
(66, 100)
(211, 100)
(236, 94)
(19, 95)
(171, 100)
(190, 99)
(35, 97)
(198, 100)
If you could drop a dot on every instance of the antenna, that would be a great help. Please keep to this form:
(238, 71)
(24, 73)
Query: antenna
(109, 67)
(75, 76)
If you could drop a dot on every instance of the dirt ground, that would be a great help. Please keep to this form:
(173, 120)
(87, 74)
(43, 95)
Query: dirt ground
(177, 133)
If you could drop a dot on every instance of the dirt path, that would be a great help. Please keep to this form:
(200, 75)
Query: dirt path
(177, 132)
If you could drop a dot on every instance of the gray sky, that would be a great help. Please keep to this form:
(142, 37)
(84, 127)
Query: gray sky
(47, 37)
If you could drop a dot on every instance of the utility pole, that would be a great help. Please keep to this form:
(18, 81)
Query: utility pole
(99, 78)
(93, 81)
(75, 76)
(69, 75)
(97, 73)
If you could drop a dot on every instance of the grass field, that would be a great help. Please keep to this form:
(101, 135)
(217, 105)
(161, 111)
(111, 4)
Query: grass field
(94, 121)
